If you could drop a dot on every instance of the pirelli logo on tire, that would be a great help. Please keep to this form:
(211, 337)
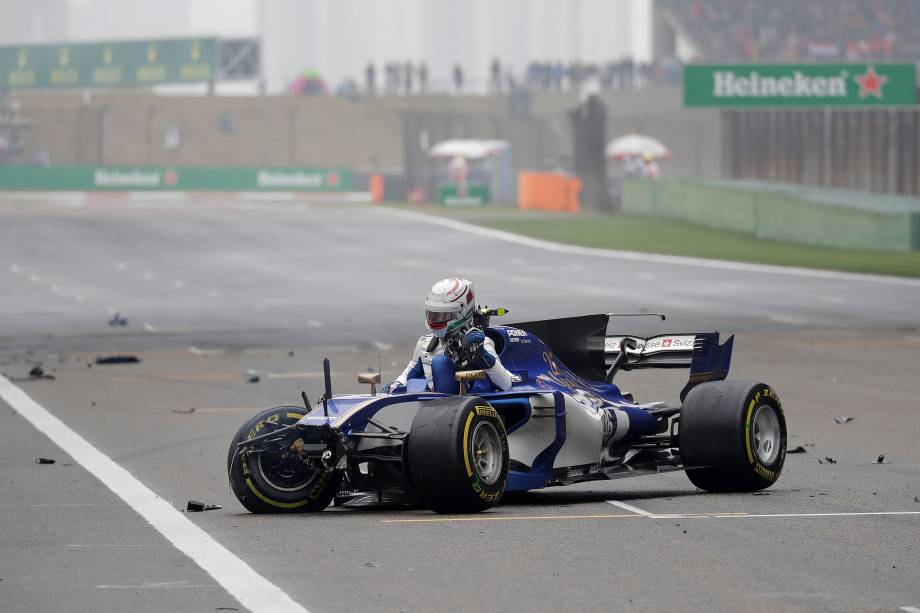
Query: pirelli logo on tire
(486, 411)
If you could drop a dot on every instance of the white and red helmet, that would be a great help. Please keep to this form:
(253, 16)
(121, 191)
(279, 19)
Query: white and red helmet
(449, 306)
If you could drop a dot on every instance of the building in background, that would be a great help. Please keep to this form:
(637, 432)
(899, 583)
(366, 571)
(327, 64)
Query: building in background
(33, 21)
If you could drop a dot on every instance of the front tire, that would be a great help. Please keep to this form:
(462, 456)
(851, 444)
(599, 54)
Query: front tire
(458, 455)
(278, 481)
(732, 436)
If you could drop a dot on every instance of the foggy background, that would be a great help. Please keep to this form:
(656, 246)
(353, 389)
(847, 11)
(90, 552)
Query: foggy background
(339, 37)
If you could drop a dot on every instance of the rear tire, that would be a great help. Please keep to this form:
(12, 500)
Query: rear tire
(277, 482)
(458, 455)
(734, 432)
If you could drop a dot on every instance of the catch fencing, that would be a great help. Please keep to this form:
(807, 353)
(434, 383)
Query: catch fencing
(876, 150)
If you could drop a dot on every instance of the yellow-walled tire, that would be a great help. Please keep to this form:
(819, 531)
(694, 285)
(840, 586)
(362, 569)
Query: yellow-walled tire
(732, 436)
(277, 482)
(458, 455)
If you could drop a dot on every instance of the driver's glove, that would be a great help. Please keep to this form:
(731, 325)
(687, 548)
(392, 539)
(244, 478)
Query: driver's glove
(475, 338)
(394, 387)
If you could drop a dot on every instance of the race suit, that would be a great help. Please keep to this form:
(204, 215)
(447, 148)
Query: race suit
(428, 356)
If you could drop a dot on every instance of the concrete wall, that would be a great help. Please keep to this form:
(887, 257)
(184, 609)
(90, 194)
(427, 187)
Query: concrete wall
(780, 212)
(128, 128)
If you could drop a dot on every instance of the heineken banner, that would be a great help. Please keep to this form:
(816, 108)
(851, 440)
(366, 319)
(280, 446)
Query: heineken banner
(788, 85)
(192, 178)
(113, 64)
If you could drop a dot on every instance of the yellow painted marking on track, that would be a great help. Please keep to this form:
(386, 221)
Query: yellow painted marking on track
(203, 376)
(466, 446)
(227, 409)
(297, 375)
(435, 520)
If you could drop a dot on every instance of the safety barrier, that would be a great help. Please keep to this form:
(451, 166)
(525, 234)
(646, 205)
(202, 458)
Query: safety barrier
(185, 178)
(782, 212)
(548, 191)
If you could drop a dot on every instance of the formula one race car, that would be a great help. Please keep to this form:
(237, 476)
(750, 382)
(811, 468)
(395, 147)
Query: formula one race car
(563, 422)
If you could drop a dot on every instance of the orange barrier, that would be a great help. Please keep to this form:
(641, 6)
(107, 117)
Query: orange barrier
(548, 191)
(376, 188)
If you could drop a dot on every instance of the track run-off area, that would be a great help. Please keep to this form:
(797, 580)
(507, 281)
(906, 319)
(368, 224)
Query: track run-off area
(214, 292)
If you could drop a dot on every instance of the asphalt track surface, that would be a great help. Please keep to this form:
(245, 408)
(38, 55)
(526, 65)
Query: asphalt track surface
(212, 290)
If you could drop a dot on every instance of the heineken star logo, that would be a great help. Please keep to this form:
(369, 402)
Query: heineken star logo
(870, 83)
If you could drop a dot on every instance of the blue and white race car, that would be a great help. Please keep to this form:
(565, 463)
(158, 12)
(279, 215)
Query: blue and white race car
(563, 421)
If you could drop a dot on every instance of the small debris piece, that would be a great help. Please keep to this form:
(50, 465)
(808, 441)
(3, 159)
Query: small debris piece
(843, 420)
(820, 461)
(371, 565)
(290, 354)
(118, 359)
(252, 376)
(881, 459)
(37, 372)
(830, 460)
(184, 411)
(916, 500)
(798, 449)
(118, 320)
(197, 507)
(44, 461)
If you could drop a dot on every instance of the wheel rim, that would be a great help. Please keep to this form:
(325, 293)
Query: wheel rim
(486, 449)
(285, 471)
(766, 434)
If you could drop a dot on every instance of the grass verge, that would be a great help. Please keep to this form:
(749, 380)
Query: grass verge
(655, 235)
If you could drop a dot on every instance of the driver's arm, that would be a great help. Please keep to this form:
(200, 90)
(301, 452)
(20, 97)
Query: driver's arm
(500, 376)
(413, 371)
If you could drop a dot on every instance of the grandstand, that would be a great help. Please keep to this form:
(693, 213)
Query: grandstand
(796, 30)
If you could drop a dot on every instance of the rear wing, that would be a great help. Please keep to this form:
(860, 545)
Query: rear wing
(701, 353)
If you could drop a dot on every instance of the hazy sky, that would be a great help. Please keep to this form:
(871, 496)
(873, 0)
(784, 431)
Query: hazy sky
(226, 17)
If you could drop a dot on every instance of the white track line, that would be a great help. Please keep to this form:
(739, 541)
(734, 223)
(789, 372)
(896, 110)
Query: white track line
(251, 589)
(631, 509)
(642, 257)
(910, 609)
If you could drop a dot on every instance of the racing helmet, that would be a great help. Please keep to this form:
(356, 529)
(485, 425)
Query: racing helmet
(449, 306)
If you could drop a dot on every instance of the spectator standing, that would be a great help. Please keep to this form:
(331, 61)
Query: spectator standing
(557, 74)
(496, 71)
(458, 78)
(423, 77)
(392, 82)
(408, 74)
(370, 74)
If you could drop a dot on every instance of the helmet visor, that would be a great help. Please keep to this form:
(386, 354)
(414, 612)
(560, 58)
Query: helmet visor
(439, 319)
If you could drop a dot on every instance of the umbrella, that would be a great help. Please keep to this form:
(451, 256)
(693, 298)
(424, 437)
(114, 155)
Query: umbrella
(636, 145)
(466, 148)
(308, 82)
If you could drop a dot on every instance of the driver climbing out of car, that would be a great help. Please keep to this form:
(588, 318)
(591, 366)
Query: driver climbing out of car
(454, 343)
